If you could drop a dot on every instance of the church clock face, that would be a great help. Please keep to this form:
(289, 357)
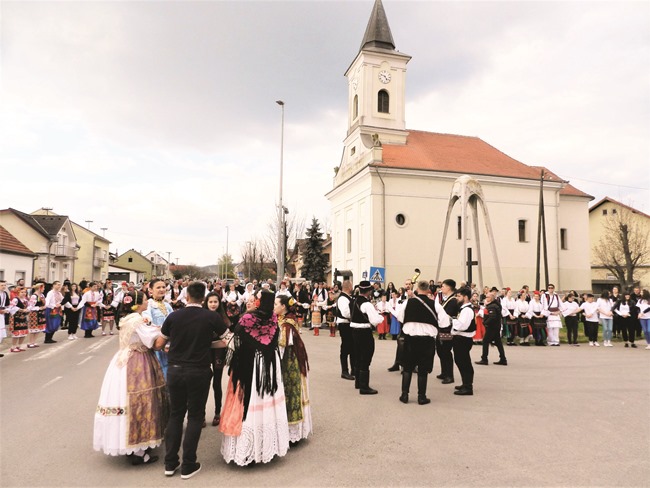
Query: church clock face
(384, 76)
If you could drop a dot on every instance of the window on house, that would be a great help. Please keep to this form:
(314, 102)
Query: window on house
(400, 219)
(563, 239)
(613, 211)
(2, 274)
(349, 240)
(460, 228)
(352, 151)
(383, 104)
(355, 107)
(130, 260)
(522, 231)
(604, 211)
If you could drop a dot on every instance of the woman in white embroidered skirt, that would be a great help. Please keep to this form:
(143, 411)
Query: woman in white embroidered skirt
(133, 406)
(254, 415)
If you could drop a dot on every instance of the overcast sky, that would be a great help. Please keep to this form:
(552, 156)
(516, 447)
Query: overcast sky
(158, 119)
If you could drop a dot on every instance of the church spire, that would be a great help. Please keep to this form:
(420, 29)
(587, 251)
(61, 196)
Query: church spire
(378, 31)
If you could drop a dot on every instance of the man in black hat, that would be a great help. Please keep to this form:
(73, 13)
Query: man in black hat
(363, 317)
(446, 298)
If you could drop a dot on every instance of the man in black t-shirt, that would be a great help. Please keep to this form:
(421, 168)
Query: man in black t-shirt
(190, 332)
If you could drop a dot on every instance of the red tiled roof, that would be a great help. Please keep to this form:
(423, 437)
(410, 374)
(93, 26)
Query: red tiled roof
(9, 244)
(609, 199)
(461, 154)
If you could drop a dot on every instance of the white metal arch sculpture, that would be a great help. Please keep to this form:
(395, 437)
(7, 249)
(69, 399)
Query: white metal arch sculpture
(468, 192)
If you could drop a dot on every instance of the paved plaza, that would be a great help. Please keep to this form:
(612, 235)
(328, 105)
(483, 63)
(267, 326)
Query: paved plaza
(562, 416)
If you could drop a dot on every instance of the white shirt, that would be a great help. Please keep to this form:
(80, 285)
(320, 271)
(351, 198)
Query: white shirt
(591, 311)
(507, 304)
(521, 307)
(343, 304)
(53, 299)
(373, 316)
(623, 309)
(464, 320)
(604, 305)
(551, 302)
(643, 304)
(422, 328)
(570, 308)
(90, 296)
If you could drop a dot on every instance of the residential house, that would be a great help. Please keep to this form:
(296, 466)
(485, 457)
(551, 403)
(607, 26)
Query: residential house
(16, 260)
(134, 260)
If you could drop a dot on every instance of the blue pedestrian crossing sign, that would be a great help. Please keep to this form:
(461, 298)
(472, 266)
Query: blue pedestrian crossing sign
(377, 274)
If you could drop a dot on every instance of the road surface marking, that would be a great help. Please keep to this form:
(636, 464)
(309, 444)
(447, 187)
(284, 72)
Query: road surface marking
(49, 352)
(97, 345)
(87, 359)
(51, 381)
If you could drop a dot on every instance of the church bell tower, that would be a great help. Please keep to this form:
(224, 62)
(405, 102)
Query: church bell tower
(376, 96)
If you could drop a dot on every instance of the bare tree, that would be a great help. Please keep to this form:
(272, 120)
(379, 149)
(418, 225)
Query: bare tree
(258, 263)
(294, 229)
(623, 247)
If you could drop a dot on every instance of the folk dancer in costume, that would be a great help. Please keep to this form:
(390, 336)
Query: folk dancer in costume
(329, 308)
(301, 295)
(318, 299)
(156, 313)
(108, 312)
(213, 303)
(36, 319)
(492, 321)
(363, 318)
(446, 298)
(570, 311)
(133, 405)
(5, 303)
(233, 302)
(175, 291)
(295, 370)
(342, 311)
(463, 330)
(538, 319)
(19, 310)
(508, 304)
(384, 311)
(254, 417)
(393, 306)
(90, 302)
(523, 322)
(53, 312)
(283, 290)
(423, 318)
(122, 303)
(395, 326)
(553, 310)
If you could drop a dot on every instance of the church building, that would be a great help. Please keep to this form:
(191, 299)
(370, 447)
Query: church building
(392, 189)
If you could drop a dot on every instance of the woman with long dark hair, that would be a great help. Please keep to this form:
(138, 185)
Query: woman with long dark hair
(71, 310)
(623, 310)
(254, 416)
(213, 303)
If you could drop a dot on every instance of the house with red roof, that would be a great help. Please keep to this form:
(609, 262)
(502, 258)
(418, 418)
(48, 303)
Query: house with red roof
(392, 190)
(16, 259)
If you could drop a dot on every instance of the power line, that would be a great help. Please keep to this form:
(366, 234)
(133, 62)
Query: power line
(603, 183)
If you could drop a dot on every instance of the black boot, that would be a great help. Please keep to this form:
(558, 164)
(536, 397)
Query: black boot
(344, 369)
(48, 338)
(464, 390)
(422, 389)
(364, 384)
(406, 385)
(357, 380)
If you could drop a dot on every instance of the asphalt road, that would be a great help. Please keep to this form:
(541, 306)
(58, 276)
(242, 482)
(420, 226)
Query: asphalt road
(567, 416)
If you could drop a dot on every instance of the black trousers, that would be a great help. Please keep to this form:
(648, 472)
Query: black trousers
(628, 327)
(364, 347)
(419, 352)
(218, 362)
(443, 349)
(492, 334)
(591, 330)
(347, 348)
(462, 346)
(72, 320)
(571, 329)
(617, 325)
(188, 393)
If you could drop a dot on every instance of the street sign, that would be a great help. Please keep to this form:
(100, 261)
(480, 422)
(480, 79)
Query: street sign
(377, 274)
(364, 275)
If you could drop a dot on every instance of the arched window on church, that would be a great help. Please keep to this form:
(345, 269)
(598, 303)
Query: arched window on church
(383, 102)
(355, 107)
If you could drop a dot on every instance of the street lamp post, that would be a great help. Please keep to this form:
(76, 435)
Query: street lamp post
(169, 263)
(225, 258)
(281, 252)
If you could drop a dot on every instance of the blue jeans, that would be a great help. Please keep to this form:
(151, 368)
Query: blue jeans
(608, 324)
(645, 325)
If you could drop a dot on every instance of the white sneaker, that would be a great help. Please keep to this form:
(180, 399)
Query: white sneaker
(596, 344)
(648, 346)
(71, 337)
(591, 343)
